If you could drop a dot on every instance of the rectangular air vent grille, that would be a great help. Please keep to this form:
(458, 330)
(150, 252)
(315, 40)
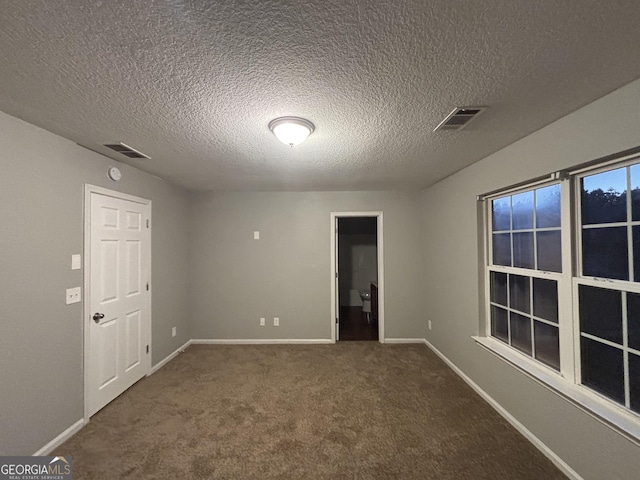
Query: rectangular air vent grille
(459, 118)
(126, 150)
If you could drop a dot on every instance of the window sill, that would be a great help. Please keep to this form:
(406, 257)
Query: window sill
(617, 418)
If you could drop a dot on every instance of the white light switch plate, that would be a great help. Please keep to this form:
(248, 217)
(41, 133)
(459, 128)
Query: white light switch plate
(276, 322)
(173, 332)
(262, 321)
(76, 262)
(74, 295)
(256, 235)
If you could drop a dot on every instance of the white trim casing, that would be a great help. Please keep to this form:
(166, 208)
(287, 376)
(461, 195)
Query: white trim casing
(403, 340)
(169, 357)
(261, 341)
(380, 251)
(60, 439)
(539, 444)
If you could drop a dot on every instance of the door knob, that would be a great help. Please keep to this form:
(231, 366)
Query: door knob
(97, 317)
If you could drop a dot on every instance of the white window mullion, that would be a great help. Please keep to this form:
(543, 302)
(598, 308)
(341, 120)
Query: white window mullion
(567, 332)
(535, 240)
(576, 226)
(576, 368)
(625, 350)
(487, 221)
(528, 273)
(509, 308)
(620, 285)
(511, 239)
(531, 322)
(632, 276)
(535, 267)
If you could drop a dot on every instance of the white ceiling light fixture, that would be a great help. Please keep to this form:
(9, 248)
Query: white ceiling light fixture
(291, 130)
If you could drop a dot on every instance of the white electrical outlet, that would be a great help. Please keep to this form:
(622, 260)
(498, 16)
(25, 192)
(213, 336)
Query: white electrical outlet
(173, 332)
(73, 295)
(262, 321)
(256, 235)
(276, 322)
(429, 324)
(76, 262)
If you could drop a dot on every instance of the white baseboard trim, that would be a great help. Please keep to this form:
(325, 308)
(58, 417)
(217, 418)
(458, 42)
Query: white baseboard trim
(550, 454)
(169, 357)
(404, 340)
(60, 439)
(258, 341)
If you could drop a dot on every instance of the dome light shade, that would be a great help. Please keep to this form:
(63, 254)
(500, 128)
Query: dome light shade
(291, 130)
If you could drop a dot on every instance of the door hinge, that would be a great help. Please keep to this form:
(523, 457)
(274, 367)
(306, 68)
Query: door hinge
(336, 274)
(147, 223)
(147, 348)
(147, 286)
(337, 320)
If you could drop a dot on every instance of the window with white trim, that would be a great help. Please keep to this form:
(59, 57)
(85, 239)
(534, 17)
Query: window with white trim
(525, 269)
(608, 293)
(563, 280)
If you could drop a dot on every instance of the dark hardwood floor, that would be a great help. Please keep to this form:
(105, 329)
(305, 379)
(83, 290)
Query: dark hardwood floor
(354, 325)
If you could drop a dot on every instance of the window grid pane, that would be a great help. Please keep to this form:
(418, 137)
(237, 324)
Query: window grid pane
(605, 253)
(609, 331)
(526, 230)
(604, 197)
(602, 369)
(547, 343)
(610, 215)
(524, 313)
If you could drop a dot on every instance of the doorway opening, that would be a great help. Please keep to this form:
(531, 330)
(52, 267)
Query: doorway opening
(357, 276)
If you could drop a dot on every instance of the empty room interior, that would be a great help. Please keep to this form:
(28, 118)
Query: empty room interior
(321, 239)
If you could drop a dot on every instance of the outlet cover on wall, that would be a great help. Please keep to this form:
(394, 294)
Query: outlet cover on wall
(256, 235)
(429, 324)
(262, 321)
(173, 332)
(276, 322)
(73, 295)
(76, 262)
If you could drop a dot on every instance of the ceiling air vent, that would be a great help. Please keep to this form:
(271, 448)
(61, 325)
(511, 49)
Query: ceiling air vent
(459, 118)
(126, 150)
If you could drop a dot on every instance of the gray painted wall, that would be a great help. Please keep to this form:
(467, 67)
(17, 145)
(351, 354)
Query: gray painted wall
(236, 280)
(41, 213)
(451, 291)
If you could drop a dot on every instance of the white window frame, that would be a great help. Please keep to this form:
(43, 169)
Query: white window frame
(632, 286)
(562, 278)
(566, 382)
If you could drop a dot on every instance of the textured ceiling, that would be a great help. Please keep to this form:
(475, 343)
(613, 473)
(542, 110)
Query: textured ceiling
(195, 83)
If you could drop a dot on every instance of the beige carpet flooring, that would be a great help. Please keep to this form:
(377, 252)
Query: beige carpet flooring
(356, 410)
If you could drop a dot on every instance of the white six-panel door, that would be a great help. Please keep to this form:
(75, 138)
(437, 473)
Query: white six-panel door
(119, 297)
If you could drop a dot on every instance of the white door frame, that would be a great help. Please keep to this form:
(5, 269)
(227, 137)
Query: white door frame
(380, 251)
(86, 308)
